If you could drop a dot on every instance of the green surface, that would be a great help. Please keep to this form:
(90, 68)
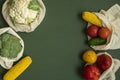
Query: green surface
(57, 44)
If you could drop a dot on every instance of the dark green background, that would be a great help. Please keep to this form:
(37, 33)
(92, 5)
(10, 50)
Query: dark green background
(57, 44)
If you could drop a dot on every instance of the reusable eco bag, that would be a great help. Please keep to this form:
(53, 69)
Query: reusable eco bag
(109, 74)
(23, 27)
(111, 20)
(8, 62)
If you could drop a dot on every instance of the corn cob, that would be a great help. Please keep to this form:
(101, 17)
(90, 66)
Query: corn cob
(91, 18)
(18, 69)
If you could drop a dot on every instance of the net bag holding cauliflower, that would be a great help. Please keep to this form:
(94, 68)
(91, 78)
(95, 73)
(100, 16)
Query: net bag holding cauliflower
(23, 15)
(11, 47)
(107, 33)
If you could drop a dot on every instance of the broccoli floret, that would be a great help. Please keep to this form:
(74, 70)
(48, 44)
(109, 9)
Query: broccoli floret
(10, 46)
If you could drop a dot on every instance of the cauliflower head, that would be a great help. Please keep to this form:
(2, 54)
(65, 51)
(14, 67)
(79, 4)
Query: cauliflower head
(24, 11)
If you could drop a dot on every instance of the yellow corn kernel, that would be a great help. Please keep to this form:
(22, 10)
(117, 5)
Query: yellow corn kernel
(91, 18)
(18, 69)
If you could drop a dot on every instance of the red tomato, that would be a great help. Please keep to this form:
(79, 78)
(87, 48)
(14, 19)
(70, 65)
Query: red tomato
(91, 72)
(104, 32)
(92, 31)
(104, 61)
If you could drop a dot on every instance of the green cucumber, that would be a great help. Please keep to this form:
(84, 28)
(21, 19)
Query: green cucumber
(96, 41)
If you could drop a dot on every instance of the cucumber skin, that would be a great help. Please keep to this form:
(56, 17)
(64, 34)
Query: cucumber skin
(96, 41)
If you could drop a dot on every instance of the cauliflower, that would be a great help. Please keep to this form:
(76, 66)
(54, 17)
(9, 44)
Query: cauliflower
(24, 11)
(23, 15)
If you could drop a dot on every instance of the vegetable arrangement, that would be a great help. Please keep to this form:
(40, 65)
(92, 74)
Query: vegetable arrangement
(11, 47)
(26, 16)
(103, 28)
(11, 50)
(23, 16)
(102, 32)
(97, 33)
(96, 64)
